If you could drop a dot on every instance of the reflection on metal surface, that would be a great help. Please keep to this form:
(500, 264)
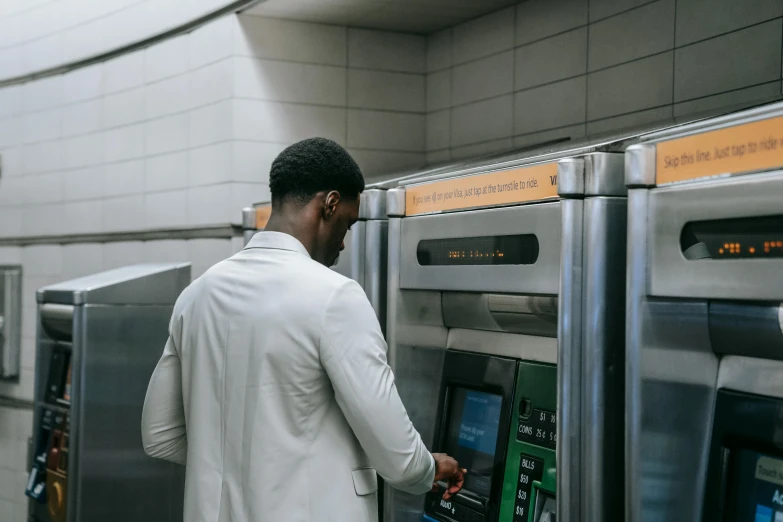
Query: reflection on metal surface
(10, 320)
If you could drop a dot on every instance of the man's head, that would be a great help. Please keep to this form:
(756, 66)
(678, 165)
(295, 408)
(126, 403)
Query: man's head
(316, 187)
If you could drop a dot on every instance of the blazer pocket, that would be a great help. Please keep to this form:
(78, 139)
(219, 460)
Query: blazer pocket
(365, 481)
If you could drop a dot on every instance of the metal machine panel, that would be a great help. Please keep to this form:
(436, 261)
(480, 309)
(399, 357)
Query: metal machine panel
(542, 277)
(10, 320)
(672, 207)
(376, 253)
(95, 358)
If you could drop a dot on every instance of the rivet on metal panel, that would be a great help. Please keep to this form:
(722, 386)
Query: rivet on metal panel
(571, 177)
(640, 165)
(395, 202)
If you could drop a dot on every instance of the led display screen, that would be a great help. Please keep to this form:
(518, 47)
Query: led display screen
(742, 238)
(484, 250)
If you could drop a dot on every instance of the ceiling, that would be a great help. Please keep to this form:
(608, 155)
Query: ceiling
(410, 16)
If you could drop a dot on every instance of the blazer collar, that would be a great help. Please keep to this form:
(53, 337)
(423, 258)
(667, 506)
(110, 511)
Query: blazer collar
(277, 241)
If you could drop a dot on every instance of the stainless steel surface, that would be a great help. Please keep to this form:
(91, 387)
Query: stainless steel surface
(247, 235)
(751, 375)
(640, 166)
(521, 314)
(569, 361)
(10, 320)
(249, 218)
(528, 347)
(376, 252)
(542, 277)
(673, 206)
(395, 202)
(604, 174)
(571, 177)
(143, 284)
(602, 357)
(373, 204)
(57, 320)
(350, 263)
(112, 359)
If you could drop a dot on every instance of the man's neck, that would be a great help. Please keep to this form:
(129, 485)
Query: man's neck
(294, 222)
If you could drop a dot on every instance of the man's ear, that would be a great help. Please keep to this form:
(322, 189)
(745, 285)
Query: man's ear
(331, 201)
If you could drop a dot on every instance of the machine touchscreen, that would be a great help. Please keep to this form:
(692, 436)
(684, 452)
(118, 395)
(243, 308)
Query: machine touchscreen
(756, 488)
(472, 434)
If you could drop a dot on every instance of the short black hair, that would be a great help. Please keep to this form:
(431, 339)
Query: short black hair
(311, 166)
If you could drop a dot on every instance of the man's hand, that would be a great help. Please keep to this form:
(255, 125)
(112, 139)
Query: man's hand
(447, 470)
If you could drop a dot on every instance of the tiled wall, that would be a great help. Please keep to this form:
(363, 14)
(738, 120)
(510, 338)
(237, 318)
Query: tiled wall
(182, 134)
(40, 34)
(549, 69)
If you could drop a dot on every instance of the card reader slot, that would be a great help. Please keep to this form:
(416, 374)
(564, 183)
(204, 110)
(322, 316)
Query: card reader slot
(747, 329)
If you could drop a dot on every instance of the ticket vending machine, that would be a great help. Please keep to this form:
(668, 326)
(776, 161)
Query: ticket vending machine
(705, 322)
(505, 331)
(99, 339)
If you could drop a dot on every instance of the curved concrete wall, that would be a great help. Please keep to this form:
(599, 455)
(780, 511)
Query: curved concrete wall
(37, 35)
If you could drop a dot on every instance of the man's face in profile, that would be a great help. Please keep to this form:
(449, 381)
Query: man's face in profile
(346, 214)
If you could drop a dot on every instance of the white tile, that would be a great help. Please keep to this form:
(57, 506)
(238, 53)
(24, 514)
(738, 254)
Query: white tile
(82, 259)
(701, 69)
(167, 209)
(83, 183)
(733, 100)
(122, 253)
(290, 41)
(167, 134)
(42, 260)
(123, 213)
(45, 93)
(121, 179)
(439, 90)
(286, 123)
(252, 162)
(41, 157)
(82, 117)
(11, 131)
(165, 251)
(438, 130)
(42, 54)
(387, 51)
(12, 192)
(207, 252)
(244, 195)
(82, 151)
(10, 32)
(482, 121)
(537, 19)
(555, 105)
(482, 79)
(211, 164)
(41, 126)
(166, 172)
(211, 83)
(42, 220)
(10, 255)
(386, 90)
(631, 121)
(289, 82)
(484, 36)
(124, 72)
(482, 149)
(10, 223)
(10, 100)
(700, 19)
(81, 84)
(211, 123)
(11, 162)
(603, 8)
(211, 205)
(165, 59)
(386, 131)
(167, 96)
(123, 143)
(380, 162)
(556, 58)
(42, 188)
(640, 32)
(439, 50)
(11, 62)
(123, 108)
(211, 42)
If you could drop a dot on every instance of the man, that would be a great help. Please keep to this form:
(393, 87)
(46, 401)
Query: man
(273, 386)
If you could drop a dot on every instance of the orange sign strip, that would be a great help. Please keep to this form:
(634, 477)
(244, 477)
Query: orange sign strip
(735, 150)
(505, 187)
(262, 216)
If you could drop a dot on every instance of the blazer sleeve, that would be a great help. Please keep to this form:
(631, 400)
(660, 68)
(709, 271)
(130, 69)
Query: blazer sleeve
(353, 353)
(163, 430)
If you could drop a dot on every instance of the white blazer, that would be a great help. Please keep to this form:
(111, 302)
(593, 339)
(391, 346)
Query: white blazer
(274, 390)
